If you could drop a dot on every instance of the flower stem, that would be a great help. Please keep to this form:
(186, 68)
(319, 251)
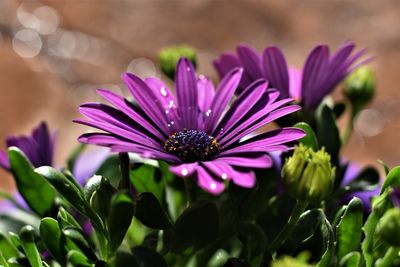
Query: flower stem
(391, 254)
(350, 125)
(298, 209)
(124, 166)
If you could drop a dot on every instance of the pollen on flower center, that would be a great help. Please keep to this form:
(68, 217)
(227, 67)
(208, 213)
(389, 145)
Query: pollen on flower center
(192, 145)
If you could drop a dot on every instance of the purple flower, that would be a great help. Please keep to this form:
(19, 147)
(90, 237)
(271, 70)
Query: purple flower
(319, 76)
(351, 173)
(195, 131)
(38, 147)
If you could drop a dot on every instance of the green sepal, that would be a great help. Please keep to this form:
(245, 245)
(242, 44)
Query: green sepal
(50, 234)
(310, 140)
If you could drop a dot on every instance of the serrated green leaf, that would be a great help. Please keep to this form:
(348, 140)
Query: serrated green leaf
(27, 238)
(150, 213)
(120, 217)
(349, 229)
(36, 191)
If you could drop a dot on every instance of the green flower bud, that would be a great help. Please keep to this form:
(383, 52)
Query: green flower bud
(169, 56)
(308, 175)
(389, 227)
(359, 86)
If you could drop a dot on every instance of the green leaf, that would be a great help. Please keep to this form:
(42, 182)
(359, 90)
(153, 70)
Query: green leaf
(65, 219)
(8, 249)
(50, 234)
(147, 257)
(310, 140)
(305, 228)
(75, 236)
(339, 109)
(392, 179)
(110, 169)
(38, 194)
(76, 258)
(197, 226)
(369, 232)
(27, 238)
(120, 217)
(327, 132)
(98, 191)
(353, 259)
(70, 192)
(145, 178)
(150, 213)
(385, 166)
(348, 231)
(3, 261)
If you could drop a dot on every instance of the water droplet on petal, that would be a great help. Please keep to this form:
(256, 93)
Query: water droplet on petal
(184, 172)
(221, 131)
(224, 176)
(171, 103)
(163, 91)
(208, 112)
(213, 186)
(188, 69)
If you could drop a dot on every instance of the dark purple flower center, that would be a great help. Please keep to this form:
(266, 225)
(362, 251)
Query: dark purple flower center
(192, 145)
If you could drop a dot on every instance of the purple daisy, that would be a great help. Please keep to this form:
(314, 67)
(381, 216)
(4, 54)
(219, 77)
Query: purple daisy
(319, 76)
(195, 131)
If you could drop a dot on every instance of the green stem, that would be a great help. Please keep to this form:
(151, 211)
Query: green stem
(188, 189)
(350, 125)
(288, 228)
(391, 254)
(124, 166)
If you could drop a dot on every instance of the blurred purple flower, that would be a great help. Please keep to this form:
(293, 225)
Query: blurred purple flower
(351, 173)
(319, 76)
(192, 131)
(38, 147)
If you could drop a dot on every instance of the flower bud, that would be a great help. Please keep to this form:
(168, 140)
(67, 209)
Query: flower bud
(169, 56)
(359, 86)
(308, 175)
(389, 227)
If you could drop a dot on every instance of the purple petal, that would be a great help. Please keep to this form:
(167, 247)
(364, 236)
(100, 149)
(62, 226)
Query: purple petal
(166, 99)
(222, 97)
(88, 163)
(30, 148)
(128, 109)
(131, 134)
(252, 160)
(250, 60)
(145, 98)
(278, 113)
(4, 163)
(186, 91)
(184, 170)
(313, 75)
(206, 181)
(206, 93)
(226, 172)
(245, 101)
(295, 76)
(46, 146)
(276, 69)
(225, 63)
(264, 141)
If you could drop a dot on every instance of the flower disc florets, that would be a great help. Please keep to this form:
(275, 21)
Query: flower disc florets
(192, 145)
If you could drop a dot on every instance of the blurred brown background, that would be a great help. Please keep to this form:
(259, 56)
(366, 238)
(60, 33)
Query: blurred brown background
(53, 54)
